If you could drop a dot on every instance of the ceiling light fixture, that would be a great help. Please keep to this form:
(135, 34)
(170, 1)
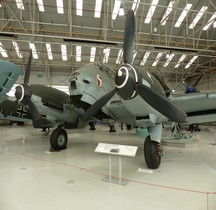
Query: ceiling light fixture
(34, 51)
(210, 22)
(49, 51)
(2, 51)
(79, 7)
(151, 11)
(78, 53)
(106, 52)
(60, 6)
(134, 55)
(145, 57)
(17, 49)
(180, 60)
(183, 15)
(169, 59)
(121, 11)
(92, 55)
(135, 6)
(191, 61)
(119, 57)
(168, 11)
(64, 52)
(20, 4)
(40, 5)
(157, 59)
(98, 5)
(116, 9)
(198, 16)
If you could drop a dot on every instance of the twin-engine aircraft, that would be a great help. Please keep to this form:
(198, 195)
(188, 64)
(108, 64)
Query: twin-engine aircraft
(128, 96)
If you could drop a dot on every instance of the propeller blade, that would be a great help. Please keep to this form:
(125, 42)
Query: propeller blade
(95, 108)
(129, 37)
(10, 108)
(33, 110)
(28, 68)
(162, 82)
(200, 77)
(161, 104)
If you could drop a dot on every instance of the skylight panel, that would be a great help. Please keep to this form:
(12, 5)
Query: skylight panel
(135, 6)
(157, 59)
(92, 55)
(191, 61)
(20, 4)
(183, 15)
(0, 5)
(79, 7)
(40, 5)
(151, 11)
(64, 52)
(119, 57)
(106, 52)
(98, 5)
(168, 11)
(116, 9)
(168, 60)
(180, 60)
(17, 49)
(60, 6)
(78, 53)
(34, 51)
(2, 51)
(145, 57)
(210, 22)
(198, 16)
(49, 51)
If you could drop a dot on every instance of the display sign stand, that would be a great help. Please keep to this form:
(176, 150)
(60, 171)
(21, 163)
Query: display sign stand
(116, 150)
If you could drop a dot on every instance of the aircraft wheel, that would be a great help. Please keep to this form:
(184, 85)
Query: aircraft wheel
(58, 139)
(152, 153)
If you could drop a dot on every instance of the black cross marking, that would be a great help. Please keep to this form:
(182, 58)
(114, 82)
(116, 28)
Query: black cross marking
(21, 111)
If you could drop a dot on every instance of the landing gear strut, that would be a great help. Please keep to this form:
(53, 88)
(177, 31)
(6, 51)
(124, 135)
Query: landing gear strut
(153, 152)
(58, 139)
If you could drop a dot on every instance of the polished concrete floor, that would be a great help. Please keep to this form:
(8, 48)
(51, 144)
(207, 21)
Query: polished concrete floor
(33, 178)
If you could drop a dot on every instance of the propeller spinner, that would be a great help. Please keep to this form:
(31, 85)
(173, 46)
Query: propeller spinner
(128, 82)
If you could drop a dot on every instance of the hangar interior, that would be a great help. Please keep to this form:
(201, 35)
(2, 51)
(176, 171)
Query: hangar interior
(175, 39)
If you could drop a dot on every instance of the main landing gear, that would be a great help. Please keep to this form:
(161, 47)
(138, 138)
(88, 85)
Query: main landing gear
(58, 139)
(153, 151)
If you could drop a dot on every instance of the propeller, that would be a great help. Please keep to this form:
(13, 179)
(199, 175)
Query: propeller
(23, 94)
(128, 82)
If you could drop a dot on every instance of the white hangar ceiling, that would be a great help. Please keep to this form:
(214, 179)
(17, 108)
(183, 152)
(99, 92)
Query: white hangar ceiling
(178, 38)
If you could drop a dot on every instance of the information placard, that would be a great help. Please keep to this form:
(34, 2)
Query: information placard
(116, 149)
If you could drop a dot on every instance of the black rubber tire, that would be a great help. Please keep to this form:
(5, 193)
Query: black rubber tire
(58, 139)
(152, 158)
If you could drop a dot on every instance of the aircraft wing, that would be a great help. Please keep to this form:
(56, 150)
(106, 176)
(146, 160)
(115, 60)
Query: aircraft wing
(9, 74)
(200, 107)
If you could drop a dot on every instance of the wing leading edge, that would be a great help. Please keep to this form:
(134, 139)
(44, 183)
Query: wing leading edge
(199, 107)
